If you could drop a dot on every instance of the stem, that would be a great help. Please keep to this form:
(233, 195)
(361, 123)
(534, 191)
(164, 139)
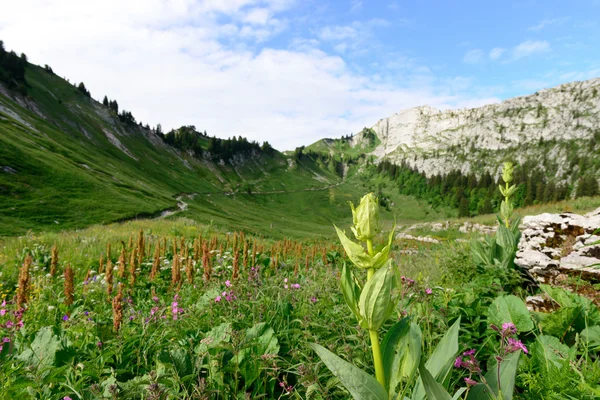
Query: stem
(377, 359)
(506, 200)
(374, 335)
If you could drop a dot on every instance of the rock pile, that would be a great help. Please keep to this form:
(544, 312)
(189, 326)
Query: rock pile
(555, 244)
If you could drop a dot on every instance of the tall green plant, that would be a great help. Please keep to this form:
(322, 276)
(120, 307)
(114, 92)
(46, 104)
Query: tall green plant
(501, 249)
(372, 303)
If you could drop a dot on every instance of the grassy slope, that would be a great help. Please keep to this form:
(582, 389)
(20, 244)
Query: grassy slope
(69, 175)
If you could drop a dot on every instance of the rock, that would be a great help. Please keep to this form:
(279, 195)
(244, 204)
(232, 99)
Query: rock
(425, 239)
(553, 244)
(540, 303)
(469, 227)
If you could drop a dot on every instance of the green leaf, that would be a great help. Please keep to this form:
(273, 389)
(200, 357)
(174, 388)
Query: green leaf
(547, 352)
(508, 372)
(350, 290)
(434, 390)
(505, 239)
(260, 340)
(382, 255)
(43, 349)
(355, 252)
(574, 315)
(510, 309)
(360, 384)
(401, 348)
(375, 303)
(215, 338)
(591, 337)
(441, 360)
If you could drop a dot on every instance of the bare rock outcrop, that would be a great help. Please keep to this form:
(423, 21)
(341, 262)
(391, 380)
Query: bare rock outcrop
(554, 244)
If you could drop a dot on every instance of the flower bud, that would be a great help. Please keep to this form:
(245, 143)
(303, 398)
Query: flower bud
(507, 172)
(366, 218)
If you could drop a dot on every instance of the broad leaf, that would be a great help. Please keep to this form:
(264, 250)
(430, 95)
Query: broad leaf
(575, 314)
(382, 256)
(510, 309)
(360, 384)
(441, 360)
(401, 348)
(591, 337)
(434, 390)
(43, 349)
(547, 352)
(355, 252)
(375, 303)
(260, 340)
(216, 337)
(350, 290)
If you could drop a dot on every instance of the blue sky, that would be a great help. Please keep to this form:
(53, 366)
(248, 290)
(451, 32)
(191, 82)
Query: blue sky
(291, 71)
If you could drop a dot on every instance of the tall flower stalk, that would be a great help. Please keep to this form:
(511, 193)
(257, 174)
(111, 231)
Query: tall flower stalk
(373, 305)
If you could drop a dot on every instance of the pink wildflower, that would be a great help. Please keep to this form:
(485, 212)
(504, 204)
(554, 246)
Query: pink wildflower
(509, 328)
(313, 299)
(217, 299)
(470, 382)
(428, 291)
(227, 283)
(458, 362)
(2, 312)
(515, 345)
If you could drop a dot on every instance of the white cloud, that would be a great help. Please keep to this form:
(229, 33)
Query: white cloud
(530, 47)
(355, 5)
(496, 53)
(175, 62)
(338, 33)
(547, 22)
(257, 16)
(473, 56)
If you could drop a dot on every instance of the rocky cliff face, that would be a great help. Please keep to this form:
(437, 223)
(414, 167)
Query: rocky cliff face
(543, 127)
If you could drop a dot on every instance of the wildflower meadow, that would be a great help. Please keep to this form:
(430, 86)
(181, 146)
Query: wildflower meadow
(193, 313)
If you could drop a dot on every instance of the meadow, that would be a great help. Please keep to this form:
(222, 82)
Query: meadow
(173, 309)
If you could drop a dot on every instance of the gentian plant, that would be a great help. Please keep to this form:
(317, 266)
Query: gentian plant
(397, 357)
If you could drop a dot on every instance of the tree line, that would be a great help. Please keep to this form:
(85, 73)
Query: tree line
(187, 138)
(12, 69)
(473, 194)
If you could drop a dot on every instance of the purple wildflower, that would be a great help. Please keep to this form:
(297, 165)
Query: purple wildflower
(470, 382)
(65, 317)
(508, 329)
(515, 345)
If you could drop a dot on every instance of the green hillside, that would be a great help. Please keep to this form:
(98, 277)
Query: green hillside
(68, 161)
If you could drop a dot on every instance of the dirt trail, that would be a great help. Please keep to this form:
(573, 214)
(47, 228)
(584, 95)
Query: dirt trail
(182, 205)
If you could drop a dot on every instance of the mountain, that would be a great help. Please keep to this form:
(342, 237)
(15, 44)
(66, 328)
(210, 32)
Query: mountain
(453, 158)
(68, 161)
(554, 128)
